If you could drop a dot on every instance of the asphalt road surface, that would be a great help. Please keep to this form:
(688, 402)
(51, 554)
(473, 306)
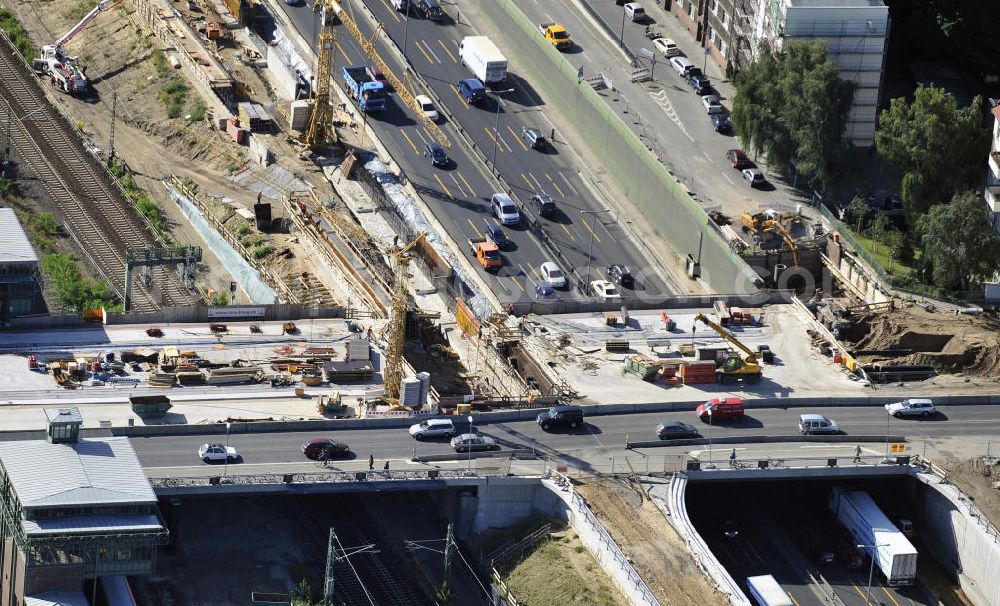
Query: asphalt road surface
(459, 194)
(588, 445)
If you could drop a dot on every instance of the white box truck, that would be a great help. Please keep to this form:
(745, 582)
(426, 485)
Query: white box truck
(480, 55)
(767, 592)
(894, 555)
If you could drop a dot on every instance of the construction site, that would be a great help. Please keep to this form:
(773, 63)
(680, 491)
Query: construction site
(264, 260)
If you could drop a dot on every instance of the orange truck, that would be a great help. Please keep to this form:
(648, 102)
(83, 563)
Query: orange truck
(486, 253)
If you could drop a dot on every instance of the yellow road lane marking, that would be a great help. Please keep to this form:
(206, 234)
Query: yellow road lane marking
(858, 589)
(566, 229)
(890, 595)
(391, 11)
(534, 271)
(457, 94)
(518, 283)
(591, 230)
(516, 138)
(555, 185)
(471, 191)
(792, 598)
(531, 185)
(476, 229)
(447, 51)
(346, 58)
(445, 187)
(426, 56)
(490, 133)
(410, 141)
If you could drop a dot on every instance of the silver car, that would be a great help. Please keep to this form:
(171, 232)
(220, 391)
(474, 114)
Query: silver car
(469, 442)
(913, 407)
(432, 428)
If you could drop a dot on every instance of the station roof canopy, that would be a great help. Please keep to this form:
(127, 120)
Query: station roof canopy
(14, 244)
(96, 471)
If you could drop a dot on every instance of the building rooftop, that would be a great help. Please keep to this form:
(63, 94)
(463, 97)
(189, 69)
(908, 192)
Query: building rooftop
(14, 244)
(64, 415)
(91, 524)
(96, 471)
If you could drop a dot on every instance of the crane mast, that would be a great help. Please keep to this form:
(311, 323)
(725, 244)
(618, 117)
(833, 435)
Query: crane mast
(322, 113)
(396, 329)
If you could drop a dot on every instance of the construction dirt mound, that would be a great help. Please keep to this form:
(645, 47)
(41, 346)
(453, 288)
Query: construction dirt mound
(954, 344)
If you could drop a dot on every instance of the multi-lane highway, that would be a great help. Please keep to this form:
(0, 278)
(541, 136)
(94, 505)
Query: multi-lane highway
(584, 448)
(459, 194)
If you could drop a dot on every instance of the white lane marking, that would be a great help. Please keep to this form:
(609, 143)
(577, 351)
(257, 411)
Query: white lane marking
(457, 184)
(661, 99)
(708, 156)
(538, 186)
(427, 48)
(568, 184)
(726, 177)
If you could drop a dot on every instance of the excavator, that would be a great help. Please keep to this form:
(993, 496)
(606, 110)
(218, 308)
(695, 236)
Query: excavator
(735, 367)
(63, 70)
(770, 222)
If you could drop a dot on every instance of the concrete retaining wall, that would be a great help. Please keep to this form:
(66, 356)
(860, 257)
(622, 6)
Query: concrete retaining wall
(962, 539)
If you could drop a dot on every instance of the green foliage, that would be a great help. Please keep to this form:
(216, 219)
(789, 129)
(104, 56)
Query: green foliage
(6, 188)
(968, 31)
(45, 224)
(78, 11)
(444, 595)
(197, 112)
(220, 298)
(303, 594)
(17, 34)
(243, 230)
(938, 147)
(151, 210)
(856, 213)
(879, 228)
(960, 247)
(79, 126)
(792, 106)
(262, 251)
(173, 94)
(160, 63)
(73, 290)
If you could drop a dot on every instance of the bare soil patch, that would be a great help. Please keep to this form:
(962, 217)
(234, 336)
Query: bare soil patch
(650, 542)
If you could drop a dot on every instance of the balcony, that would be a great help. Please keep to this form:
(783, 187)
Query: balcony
(995, 164)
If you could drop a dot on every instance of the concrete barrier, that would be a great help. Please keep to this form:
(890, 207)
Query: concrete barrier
(765, 440)
(520, 453)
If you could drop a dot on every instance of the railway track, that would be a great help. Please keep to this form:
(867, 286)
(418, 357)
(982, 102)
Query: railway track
(96, 214)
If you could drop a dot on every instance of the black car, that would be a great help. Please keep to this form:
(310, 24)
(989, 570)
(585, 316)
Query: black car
(675, 430)
(620, 275)
(429, 9)
(721, 123)
(700, 84)
(435, 152)
(560, 416)
(315, 448)
(494, 233)
(543, 204)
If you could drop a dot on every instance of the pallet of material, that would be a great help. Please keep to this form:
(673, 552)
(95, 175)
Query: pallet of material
(722, 311)
(358, 349)
(698, 372)
(162, 379)
(190, 377)
(353, 370)
(254, 117)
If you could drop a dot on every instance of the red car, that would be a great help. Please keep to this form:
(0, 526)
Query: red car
(738, 159)
(315, 447)
(723, 409)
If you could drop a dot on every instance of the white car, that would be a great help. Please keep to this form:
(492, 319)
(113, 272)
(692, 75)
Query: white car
(505, 210)
(605, 290)
(552, 274)
(217, 452)
(427, 106)
(753, 176)
(432, 428)
(667, 47)
(911, 408)
(635, 12)
(712, 105)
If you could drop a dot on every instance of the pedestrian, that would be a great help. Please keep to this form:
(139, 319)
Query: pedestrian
(386, 466)
(732, 458)
(371, 461)
(857, 454)
(324, 456)
(552, 137)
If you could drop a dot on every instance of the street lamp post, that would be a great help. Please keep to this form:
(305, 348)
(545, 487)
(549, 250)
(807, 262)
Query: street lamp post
(888, 415)
(472, 430)
(225, 469)
(496, 127)
(621, 36)
(590, 254)
(871, 570)
(406, 26)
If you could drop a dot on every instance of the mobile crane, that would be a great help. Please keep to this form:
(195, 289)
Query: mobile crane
(63, 70)
(318, 124)
(735, 367)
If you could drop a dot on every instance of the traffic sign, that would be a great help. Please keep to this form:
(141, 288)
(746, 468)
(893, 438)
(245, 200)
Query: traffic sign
(896, 447)
(645, 52)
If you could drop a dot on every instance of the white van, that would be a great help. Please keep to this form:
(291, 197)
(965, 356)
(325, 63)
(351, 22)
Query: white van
(635, 12)
(682, 65)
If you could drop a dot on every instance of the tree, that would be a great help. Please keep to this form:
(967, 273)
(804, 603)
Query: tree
(961, 247)
(856, 213)
(792, 105)
(896, 241)
(878, 229)
(970, 31)
(938, 147)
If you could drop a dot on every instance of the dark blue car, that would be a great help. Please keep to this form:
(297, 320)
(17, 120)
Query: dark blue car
(494, 233)
(721, 123)
(472, 90)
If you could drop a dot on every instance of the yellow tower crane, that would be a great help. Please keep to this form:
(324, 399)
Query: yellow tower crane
(395, 331)
(331, 8)
(322, 113)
